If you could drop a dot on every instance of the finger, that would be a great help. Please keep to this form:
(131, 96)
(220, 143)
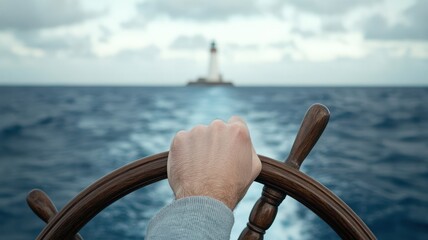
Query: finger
(177, 140)
(217, 120)
(217, 124)
(198, 128)
(256, 163)
(179, 136)
(236, 119)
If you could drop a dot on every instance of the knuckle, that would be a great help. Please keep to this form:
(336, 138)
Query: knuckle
(180, 134)
(198, 129)
(179, 137)
(240, 131)
(235, 118)
(218, 124)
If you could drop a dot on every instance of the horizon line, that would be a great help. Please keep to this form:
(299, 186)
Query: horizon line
(244, 85)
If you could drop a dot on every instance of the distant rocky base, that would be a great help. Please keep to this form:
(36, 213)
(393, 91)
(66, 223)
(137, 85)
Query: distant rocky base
(210, 84)
(204, 82)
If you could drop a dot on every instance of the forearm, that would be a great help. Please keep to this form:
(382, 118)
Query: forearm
(192, 218)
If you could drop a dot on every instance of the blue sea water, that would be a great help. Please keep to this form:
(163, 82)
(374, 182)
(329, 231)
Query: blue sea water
(373, 154)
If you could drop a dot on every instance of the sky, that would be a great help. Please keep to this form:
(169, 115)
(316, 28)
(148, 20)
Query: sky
(166, 42)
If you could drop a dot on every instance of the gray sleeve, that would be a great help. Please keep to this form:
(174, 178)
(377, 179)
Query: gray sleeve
(192, 218)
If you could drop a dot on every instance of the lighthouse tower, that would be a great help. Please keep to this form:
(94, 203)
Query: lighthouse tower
(213, 72)
(214, 77)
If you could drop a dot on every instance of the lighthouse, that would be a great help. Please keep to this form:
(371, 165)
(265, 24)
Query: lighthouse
(213, 77)
(213, 72)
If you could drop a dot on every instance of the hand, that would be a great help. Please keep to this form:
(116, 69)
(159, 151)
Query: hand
(217, 161)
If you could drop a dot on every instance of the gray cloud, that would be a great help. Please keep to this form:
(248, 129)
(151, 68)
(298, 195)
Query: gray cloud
(283, 45)
(196, 9)
(207, 10)
(105, 33)
(190, 42)
(200, 10)
(135, 23)
(329, 7)
(330, 12)
(37, 14)
(6, 53)
(234, 46)
(333, 26)
(52, 45)
(416, 29)
(150, 52)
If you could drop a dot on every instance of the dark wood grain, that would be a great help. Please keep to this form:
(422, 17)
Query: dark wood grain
(43, 207)
(264, 211)
(143, 172)
(263, 214)
(310, 131)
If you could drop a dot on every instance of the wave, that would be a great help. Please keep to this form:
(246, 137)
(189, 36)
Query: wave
(18, 129)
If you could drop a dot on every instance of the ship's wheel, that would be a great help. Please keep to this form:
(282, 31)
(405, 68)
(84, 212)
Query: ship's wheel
(279, 179)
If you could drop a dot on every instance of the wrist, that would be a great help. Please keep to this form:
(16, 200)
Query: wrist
(227, 200)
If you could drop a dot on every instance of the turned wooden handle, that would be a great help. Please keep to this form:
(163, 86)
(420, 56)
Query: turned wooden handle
(264, 211)
(43, 207)
(310, 131)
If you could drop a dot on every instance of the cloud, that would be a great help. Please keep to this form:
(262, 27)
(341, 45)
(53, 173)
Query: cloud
(106, 33)
(149, 53)
(6, 53)
(38, 14)
(190, 42)
(221, 10)
(138, 22)
(56, 45)
(329, 7)
(288, 45)
(243, 47)
(201, 10)
(415, 28)
(333, 26)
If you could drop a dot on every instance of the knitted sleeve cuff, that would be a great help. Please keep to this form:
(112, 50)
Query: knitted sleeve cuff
(196, 217)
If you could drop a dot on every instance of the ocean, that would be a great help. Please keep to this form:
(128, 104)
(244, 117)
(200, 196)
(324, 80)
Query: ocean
(373, 154)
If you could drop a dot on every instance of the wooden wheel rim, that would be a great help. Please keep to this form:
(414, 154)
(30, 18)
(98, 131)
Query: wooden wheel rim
(88, 203)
